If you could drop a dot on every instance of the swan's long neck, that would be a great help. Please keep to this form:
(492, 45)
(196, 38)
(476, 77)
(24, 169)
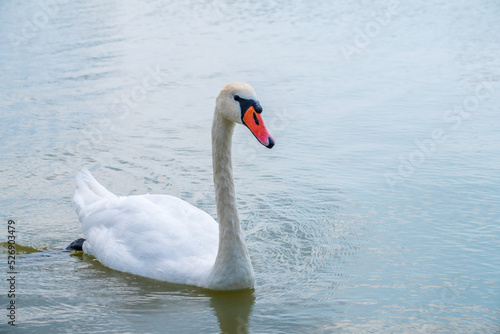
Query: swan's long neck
(232, 268)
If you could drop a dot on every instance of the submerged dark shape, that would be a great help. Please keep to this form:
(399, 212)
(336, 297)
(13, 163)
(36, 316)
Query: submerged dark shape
(75, 245)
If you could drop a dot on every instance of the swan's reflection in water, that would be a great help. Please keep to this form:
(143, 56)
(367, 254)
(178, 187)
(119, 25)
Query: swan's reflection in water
(233, 309)
(146, 301)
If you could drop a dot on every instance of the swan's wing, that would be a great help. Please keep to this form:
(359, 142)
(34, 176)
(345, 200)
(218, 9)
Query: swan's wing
(161, 237)
(175, 242)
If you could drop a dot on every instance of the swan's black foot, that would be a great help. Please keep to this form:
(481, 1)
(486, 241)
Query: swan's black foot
(75, 245)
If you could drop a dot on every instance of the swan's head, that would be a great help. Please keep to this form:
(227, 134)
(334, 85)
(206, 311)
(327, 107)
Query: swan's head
(238, 102)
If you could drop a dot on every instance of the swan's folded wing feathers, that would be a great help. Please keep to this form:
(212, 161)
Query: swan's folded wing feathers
(151, 235)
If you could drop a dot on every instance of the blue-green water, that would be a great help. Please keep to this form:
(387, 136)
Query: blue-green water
(376, 212)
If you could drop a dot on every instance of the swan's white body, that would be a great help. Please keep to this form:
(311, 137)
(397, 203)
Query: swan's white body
(166, 238)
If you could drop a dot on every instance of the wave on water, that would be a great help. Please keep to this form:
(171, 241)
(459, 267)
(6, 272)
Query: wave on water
(20, 249)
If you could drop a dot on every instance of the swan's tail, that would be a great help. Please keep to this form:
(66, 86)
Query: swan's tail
(88, 190)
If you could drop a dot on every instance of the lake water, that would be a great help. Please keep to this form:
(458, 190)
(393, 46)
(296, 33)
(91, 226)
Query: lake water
(376, 212)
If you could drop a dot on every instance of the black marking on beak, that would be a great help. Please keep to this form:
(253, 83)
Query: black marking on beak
(255, 119)
(271, 143)
(245, 104)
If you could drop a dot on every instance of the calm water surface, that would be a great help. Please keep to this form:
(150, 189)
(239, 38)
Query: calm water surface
(377, 211)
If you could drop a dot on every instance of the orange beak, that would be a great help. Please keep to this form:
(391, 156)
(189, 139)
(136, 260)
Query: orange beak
(254, 122)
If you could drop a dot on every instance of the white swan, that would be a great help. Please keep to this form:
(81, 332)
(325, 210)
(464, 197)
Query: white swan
(166, 238)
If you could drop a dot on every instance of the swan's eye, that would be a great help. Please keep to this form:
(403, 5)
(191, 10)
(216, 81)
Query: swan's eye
(236, 97)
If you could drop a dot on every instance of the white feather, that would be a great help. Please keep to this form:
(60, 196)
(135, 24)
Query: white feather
(157, 236)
